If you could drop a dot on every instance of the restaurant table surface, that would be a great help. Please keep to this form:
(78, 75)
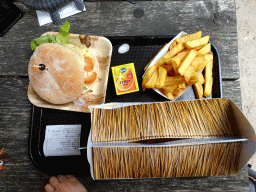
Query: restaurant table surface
(216, 18)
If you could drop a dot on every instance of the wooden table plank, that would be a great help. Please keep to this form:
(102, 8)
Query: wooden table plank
(19, 174)
(232, 90)
(209, 184)
(108, 18)
(216, 18)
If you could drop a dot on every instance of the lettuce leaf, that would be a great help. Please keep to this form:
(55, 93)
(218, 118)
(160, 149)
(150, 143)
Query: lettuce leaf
(40, 40)
(63, 35)
(61, 38)
(87, 86)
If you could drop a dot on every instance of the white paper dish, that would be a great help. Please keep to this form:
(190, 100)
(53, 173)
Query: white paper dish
(159, 56)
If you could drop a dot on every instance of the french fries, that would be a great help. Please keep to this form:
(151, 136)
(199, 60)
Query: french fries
(173, 80)
(177, 91)
(199, 90)
(208, 58)
(201, 78)
(152, 81)
(183, 85)
(187, 61)
(169, 95)
(190, 37)
(193, 66)
(208, 79)
(174, 51)
(205, 49)
(182, 67)
(193, 79)
(175, 61)
(170, 88)
(173, 44)
(161, 79)
(167, 67)
(197, 42)
(147, 76)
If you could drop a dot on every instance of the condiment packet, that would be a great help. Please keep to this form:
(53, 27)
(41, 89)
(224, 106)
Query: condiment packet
(125, 79)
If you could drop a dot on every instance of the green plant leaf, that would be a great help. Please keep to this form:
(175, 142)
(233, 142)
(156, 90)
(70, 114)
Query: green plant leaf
(61, 38)
(63, 35)
(40, 40)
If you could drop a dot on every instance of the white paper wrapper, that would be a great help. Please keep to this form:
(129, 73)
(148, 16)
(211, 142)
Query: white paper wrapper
(159, 56)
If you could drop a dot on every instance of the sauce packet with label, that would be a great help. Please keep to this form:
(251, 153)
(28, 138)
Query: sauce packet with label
(125, 79)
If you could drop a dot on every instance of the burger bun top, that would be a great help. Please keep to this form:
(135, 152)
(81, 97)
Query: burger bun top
(62, 81)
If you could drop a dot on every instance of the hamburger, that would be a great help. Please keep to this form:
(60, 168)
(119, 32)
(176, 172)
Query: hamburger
(61, 73)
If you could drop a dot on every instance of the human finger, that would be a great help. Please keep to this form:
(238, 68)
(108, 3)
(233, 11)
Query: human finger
(61, 178)
(48, 188)
(72, 178)
(54, 182)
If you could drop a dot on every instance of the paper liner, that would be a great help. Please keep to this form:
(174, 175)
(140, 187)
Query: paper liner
(101, 48)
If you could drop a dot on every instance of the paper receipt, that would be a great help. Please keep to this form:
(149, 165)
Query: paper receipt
(62, 140)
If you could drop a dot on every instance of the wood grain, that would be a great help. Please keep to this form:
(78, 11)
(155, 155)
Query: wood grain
(19, 174)
(216, 18)
(108, 18)
(232, 90)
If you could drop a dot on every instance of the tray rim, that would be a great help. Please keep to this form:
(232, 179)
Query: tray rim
(37, 162)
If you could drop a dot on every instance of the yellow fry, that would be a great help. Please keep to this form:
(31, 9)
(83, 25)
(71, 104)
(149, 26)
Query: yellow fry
(208, 58)
(193, 79)
(152, 81)
(173, 80)
(206, 49)
(199, 47)
(191, 69)
(197, 60)
(174, 51)
(171, 72)
(190, 37)
(187, 61)
(175, 61)
(162, 73)
(208, 79)
(169, 95)
(188, 73)
(197, 42)
(160, 62)
(169, 89)
(182, 86)
(177, 91)
(201, 78)
(147, 76)
(198, 88)
(167, 67)
(173, 44)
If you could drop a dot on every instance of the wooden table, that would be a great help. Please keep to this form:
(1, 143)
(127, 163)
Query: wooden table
(216, 18)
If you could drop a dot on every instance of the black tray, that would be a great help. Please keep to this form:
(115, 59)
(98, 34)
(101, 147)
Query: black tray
(142, 50)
